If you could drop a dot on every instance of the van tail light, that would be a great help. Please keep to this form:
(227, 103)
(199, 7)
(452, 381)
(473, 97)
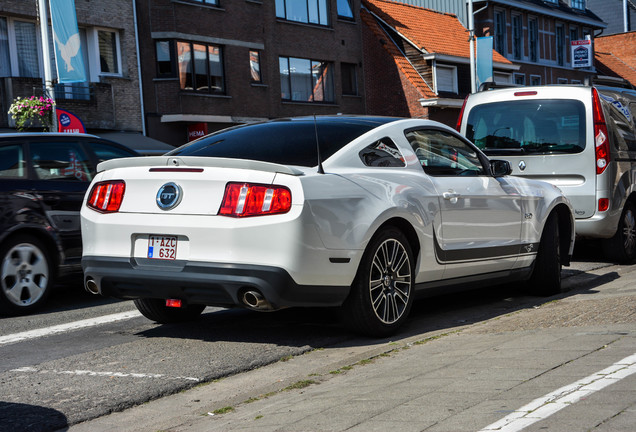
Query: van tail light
(106, 196)
(248, 199)
(461, 115)
(603, 204)
(600, 134)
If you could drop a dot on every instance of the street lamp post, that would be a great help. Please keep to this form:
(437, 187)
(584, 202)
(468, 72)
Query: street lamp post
(48, 75)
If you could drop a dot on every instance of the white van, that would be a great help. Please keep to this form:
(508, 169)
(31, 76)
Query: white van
(577, 137)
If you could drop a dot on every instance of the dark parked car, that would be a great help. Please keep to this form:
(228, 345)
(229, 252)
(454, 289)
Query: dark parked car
(43, 178)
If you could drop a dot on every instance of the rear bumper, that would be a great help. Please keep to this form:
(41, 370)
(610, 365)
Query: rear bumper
(211, 284)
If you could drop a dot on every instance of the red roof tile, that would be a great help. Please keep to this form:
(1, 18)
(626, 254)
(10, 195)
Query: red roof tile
(617, 53)
(402, 62)
(432, 31)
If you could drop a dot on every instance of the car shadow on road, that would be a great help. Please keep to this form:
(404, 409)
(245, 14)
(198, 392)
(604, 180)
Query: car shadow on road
(30, 418)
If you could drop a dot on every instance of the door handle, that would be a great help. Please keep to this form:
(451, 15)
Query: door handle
(451, 195)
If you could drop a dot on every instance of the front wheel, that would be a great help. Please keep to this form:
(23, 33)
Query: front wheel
(546, 274)
(26, 273)
(156, 310)
(622, 247)
(382, 292)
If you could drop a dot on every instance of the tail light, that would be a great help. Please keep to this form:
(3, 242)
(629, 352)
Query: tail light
(106, 196)
(600, 134)
(246, 199)
(461, 115)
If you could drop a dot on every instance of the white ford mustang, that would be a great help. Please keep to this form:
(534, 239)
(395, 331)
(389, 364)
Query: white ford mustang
(362, 213)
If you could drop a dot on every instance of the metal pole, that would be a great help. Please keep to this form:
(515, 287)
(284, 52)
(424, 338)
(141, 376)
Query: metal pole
(471, 39)
(625, 16)
(48, 76)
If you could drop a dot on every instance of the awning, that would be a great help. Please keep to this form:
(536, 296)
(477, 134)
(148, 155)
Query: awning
(141, 144)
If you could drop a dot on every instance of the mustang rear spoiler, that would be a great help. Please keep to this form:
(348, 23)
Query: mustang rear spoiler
(197, 161)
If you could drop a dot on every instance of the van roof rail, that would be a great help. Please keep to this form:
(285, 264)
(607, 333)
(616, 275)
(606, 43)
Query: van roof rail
(608, 81)
(489, 85)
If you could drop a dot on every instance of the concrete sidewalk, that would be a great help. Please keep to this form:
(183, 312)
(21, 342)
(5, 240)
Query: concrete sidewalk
(463, 379)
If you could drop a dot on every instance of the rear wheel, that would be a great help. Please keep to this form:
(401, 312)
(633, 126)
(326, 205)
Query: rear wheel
(622, 247)
(382, 293)
(546, 275)
(156, 310)
(26, 273)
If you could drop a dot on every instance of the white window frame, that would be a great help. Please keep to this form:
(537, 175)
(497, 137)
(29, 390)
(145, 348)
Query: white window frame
(537, 46)
(519, 75)
(535, 77)
(13, 47)
(95, 66)
(578, 4)
(504, 49)
(502, 77)
(453, 71)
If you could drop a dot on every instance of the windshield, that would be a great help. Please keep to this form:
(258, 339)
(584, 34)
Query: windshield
(287, 142)
(534, 126)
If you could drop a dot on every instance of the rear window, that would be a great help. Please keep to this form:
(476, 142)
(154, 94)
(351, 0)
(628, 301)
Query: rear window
(288, 142)
(534, 126)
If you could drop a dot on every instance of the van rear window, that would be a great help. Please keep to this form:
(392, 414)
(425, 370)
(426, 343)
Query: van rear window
(531, 126)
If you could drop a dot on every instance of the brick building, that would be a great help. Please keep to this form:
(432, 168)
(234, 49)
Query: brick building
(417, 61)
(209, 64)
(534, 34)
(110, 101)
(616, 56)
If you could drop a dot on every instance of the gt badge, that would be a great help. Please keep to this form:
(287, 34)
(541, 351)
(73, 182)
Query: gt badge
(169, 196)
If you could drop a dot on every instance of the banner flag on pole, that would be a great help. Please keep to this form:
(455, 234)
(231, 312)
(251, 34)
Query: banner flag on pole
(484, 60)
(68, 55)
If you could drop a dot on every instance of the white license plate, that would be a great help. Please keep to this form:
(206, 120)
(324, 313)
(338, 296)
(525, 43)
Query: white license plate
(162, 247)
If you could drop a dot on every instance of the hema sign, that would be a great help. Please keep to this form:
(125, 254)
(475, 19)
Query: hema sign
(581, 53)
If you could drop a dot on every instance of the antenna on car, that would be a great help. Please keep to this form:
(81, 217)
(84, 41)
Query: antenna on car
(320, 169)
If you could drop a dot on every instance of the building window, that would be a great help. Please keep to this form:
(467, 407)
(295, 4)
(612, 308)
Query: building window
(535, 80)
(517, 33)
(166, 67)
(349, 79)
(210, 2)
(305, 11)
(255, 66)
(562, 80)
(520, 79)
(574, 34)
(560, 45)
(578, 4)
(502, 77)
(345, 10)
(500, 32)
(552, 1)
(26, 49)
(305, 80)
(5, 59)
(108, 42)
(446, 78)
(200, 67)
(533, 39)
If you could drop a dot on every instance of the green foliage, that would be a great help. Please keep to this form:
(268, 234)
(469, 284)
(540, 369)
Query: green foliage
(35, 111)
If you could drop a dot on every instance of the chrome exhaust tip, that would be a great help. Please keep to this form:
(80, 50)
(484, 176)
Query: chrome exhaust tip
(255, 300)
(91, 286)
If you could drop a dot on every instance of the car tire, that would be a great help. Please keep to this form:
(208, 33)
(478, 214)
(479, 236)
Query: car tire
(622, 247)
(26, 275)
(156, 310)
(546, 274)
(382, 292)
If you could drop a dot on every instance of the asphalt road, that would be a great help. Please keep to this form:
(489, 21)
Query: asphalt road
(70, 369)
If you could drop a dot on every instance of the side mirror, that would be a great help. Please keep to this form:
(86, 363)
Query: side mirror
(500, 168)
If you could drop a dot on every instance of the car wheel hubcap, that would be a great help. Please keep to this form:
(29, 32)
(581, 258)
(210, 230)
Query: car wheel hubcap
(629, 232)
(390, 281)
(25, 275)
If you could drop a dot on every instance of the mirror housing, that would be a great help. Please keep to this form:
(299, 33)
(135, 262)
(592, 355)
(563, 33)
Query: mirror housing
(500, 168)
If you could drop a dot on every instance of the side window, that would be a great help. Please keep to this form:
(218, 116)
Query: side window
(105, 151)
(442, 154)
(12, 163)
(382, 153)
(60, 161)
